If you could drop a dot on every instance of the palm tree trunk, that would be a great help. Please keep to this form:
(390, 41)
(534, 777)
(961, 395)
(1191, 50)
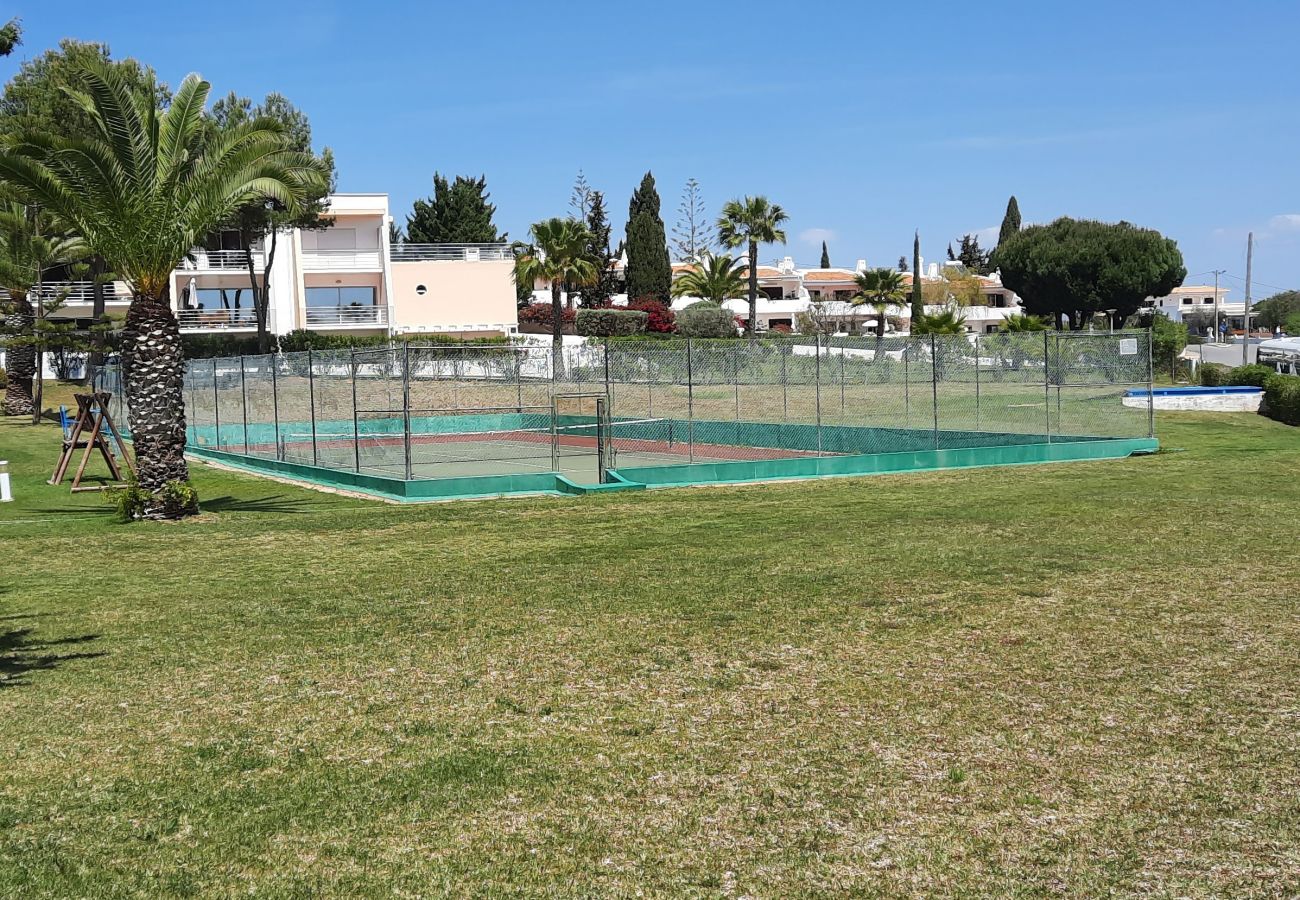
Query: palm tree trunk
(20, 361)
(557, 332)
(753, 288)
(153, 366)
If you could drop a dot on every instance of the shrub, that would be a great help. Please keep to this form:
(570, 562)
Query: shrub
(541, 314)
(207, 346)
(611, 322)
(1213, 374)
(1282, 398)
(1253, 375)
(705, 320)
(659, 317)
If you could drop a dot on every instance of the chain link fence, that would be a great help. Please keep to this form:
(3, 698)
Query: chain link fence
(411, 411)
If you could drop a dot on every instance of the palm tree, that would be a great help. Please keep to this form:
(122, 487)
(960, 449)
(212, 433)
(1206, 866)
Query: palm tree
(752, 221)
(142, 191)
(715, 278)
(879, 288)
(558, 256)
(28, 247)
(1018, 322)
(946, 321)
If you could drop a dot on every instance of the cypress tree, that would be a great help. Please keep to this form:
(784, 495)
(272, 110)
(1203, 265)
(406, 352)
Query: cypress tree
(649, 273)
(826, 257)
(1010, 221)
(918, 304)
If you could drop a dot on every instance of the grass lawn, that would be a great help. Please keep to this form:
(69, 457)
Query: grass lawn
(1077, 679)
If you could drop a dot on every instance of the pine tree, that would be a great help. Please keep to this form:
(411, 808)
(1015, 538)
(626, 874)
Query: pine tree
(457, 213)
(649, 272)
(826, 257)
(902, 263)
(580, 198)
(952, 257)
(1010, 221)
(693, 235)
(974, 259)
(918, 302)
(599, 293)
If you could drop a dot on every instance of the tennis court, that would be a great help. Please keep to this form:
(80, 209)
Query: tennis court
(437, 422)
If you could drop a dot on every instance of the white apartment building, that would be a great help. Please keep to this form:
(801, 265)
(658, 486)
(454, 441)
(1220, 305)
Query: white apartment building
(345, 278)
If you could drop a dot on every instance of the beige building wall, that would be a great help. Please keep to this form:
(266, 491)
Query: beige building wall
(453, 296)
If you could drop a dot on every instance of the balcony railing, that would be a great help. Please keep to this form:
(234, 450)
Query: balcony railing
(450, 252)
(244, 319)
(341, 261)
(201, 260)
(79, 292)
(362, 316)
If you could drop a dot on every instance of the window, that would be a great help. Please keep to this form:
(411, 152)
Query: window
(1208, 300)
(1187, 301)
(220, 298)
(340, 297)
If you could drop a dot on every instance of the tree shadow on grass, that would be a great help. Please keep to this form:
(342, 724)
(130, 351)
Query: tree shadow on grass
(22, 653)
(274, 503)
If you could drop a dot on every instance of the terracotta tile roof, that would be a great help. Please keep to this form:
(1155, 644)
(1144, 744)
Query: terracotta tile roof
(829, 276)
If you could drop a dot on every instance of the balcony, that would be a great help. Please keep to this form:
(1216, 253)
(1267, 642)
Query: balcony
(347, 317)
(221, 260)
(80, 293)
(341, 261)
(450, 253)
(244, 319)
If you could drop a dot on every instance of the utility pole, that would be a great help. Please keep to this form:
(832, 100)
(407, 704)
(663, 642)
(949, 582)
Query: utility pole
(1217, 273)
(1250, 253)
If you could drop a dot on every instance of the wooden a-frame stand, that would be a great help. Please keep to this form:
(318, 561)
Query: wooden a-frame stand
(89, 433)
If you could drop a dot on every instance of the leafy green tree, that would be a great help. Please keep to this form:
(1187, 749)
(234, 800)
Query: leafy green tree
(918, 298)
(1168, 338)
(263, 218)
(1277, 310)
(649, 272)
(879, 288)
(457, 213)
(142, 189)
(715, 278)
(751, 221)
(693, 235)
(1010, 221)
(42, 97)
(826, 257)
(29, 247)
(1073, 269)
(558, 256)
(11, 35)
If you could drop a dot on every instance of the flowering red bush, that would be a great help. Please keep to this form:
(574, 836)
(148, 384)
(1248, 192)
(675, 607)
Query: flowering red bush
(661, 318)
(782, 329)
(541, 314)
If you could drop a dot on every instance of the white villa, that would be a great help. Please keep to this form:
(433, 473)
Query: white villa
(1198, 304)
(788, 292)
(346, 278)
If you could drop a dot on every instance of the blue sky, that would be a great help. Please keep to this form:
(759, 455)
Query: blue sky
(863, 120)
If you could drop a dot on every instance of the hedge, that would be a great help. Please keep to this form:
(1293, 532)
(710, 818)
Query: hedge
(611, 322)
(1213, 374)
(705, 320)
(1253, 375)
(1282, 398)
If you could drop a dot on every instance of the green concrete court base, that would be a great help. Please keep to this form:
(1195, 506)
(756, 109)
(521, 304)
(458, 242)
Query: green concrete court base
(688, 474)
